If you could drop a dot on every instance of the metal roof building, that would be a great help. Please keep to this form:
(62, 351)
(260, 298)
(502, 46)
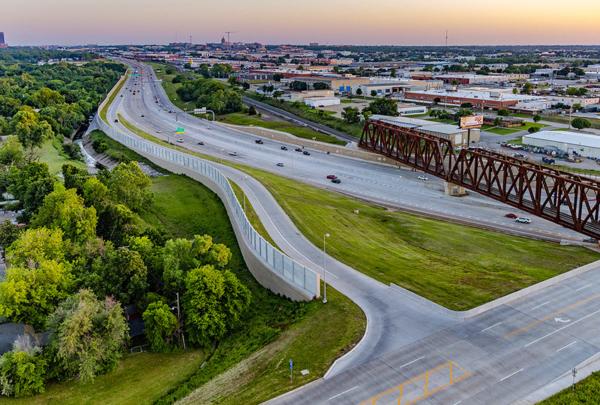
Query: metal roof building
(583, 144)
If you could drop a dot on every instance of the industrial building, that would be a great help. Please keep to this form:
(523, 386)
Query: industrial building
(586, 145)
(411, 109)
(453, 133)
(315, 102)
(493, 100)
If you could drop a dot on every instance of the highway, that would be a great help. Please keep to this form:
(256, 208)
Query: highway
(399, 188)
(412, 349)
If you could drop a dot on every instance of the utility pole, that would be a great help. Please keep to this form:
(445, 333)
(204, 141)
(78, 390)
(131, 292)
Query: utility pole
(325, 236)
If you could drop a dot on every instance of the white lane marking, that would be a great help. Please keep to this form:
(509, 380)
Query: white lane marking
(567, 346)
(411, 362)
(456, 403)
(540, 305)
(561, 320)
(584, 287)
(559, 329)
(510, 375)
(490, 327)
(342, 393)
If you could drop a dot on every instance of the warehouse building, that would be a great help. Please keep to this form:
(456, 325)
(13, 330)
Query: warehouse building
(570, 142)
(494, 100)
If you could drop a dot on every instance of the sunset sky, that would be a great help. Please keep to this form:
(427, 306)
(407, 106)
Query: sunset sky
(401, 22)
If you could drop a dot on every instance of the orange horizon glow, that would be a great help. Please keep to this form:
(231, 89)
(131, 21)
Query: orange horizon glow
(385, 22)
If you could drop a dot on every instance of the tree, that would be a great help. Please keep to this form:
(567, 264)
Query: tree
(64, 209)
(503, 113)
(87, 336)
(9, 232)
(320, 86)
(30, 185)
(74, 177)
(31, 132)
(533, 130)
(359, 92)
(580, 123)
(373, 93)
(537, 118)
(36, 245)
(159, 326)
(45, 97)
(298, 86)
(527, 88)
(251, 110)
(212, 303)
(129, 185)
(246, 85)
(29, 295)
(22, 372)
(11, 152)
(351, 115)
(384, 106)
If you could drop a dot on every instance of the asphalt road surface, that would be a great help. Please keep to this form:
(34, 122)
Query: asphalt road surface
(412, 350)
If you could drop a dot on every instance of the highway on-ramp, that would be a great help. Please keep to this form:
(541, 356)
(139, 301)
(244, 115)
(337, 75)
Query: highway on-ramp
(413, 350)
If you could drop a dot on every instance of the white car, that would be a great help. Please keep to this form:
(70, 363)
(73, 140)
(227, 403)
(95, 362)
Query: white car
(523, 220)
(423, 178)
(180, 140)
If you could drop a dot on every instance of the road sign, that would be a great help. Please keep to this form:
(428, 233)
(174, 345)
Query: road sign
(200, 110)
(180, 130)
(471, 121)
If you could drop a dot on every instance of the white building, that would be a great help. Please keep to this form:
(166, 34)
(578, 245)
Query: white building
(586, 145)
(405, 109)
(315, 102)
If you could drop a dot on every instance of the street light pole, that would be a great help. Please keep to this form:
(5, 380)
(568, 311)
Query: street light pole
(325, 236)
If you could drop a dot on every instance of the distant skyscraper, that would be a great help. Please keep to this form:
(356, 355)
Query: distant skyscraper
(2, 43)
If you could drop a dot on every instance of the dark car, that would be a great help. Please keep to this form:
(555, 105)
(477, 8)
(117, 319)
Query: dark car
(336, 181)
(511, 215)
(284, 148)
(279, 164)
(332, 177)
(201, 143)
(142, 115)
(298, 149)
(116, 120)
(259, 141)
(306, 153)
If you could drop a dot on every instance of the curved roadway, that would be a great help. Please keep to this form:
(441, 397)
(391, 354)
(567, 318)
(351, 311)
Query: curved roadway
(412, 348)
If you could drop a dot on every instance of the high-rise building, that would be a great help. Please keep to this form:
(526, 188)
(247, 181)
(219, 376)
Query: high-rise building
(2, 43)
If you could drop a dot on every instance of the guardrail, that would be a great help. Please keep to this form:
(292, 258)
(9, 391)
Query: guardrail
(305, 280)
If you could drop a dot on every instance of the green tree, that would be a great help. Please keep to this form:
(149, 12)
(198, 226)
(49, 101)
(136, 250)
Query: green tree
(36, 245)
(359, 92)
(29, 295)
(580, 123)
(351, 115)
(9, 232)
(87, 336)
(30, 185)
(384, 106)
(537, 118)
(74, 177)
(212, 304)
(320, 86)
(30, 130)
(22, 373)
(46, 97)
(160, 326)
(298, 86)
(11, 152)
(64, 209)
(527, 88)
(129, 185)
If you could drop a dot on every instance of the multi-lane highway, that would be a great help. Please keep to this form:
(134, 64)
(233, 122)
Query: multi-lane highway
(412, 350)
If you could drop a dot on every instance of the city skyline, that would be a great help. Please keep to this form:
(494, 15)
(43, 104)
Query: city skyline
(386, 22)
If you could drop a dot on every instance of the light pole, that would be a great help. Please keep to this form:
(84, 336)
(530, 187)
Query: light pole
(325, 236)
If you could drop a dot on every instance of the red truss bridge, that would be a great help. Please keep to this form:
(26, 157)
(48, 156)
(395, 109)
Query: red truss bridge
(561, 197)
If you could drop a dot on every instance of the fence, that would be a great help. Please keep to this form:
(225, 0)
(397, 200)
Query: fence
(297, 275)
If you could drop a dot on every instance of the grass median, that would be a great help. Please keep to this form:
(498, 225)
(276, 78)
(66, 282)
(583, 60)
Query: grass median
(586, 391)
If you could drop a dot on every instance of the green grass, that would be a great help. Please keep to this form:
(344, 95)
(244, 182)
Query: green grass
(112, 95)
(140, 378)
(50, 154)
(301, 132)
(118, 152)
(273, 327)
(457, 266)
(510, 131)
(251, 213)
(586, 391)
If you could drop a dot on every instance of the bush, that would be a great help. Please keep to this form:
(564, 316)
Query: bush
(73, 151)
(99, 146)
(22, 373)
(532, 130)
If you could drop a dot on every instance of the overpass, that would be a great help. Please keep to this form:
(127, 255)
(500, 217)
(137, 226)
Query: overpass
(561, 197)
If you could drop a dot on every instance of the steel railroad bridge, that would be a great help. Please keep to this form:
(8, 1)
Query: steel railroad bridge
(558, 196)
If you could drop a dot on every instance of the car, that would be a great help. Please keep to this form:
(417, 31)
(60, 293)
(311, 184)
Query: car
(284, 148)
(518, 155)
(548, 160)
(170, 111)
(423, 178)
(590, 240)
(142, 115)
(306, 153)
(336, 181)
(259, 141)
(233, 154)
(523, 220)
(116, 120)
(179, 140)
(279, 164)
(298, 149)
(511, 215)
(201, 143)
(331, 177)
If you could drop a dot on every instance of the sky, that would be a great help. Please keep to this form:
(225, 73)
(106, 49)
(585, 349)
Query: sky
(372, 22)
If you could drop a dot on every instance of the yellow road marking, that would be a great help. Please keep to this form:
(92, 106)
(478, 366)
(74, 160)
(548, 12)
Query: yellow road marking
(425, 378)
(562, 310)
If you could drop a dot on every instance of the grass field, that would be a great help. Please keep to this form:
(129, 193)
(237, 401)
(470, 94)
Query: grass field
(301, 132)
(510, 131)
(586, 392)
(459, 267)
(273, 327)
(140, 378)
(55, 159)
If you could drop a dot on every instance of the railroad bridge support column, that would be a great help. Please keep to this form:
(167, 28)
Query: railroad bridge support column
(454, 190)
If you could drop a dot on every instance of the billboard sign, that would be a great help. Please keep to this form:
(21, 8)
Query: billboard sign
(180, 131)
(471, 121)
(200, 110)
